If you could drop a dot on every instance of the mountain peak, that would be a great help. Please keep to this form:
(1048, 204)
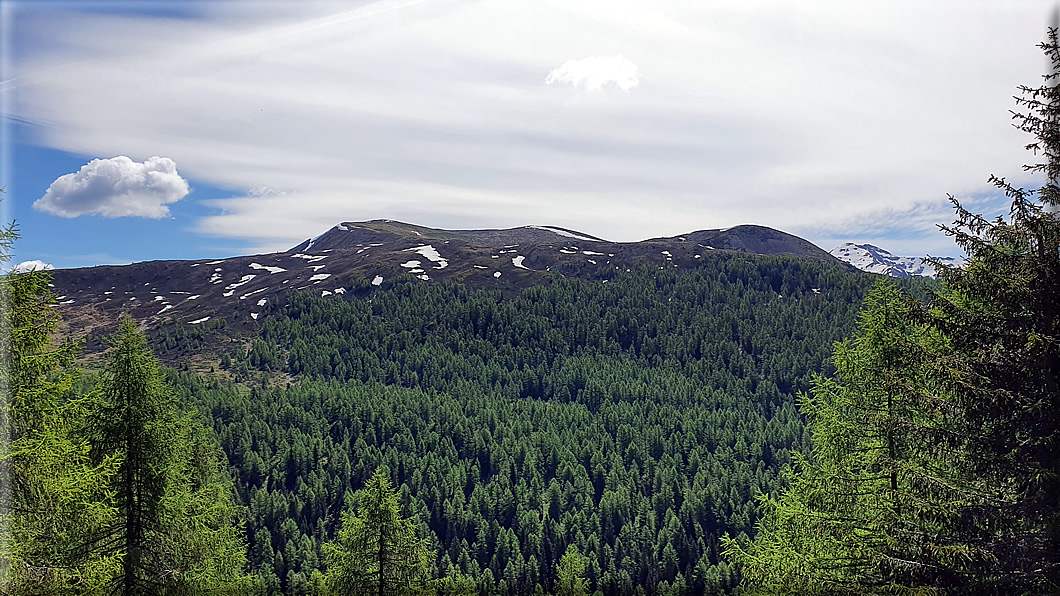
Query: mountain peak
(874, 259)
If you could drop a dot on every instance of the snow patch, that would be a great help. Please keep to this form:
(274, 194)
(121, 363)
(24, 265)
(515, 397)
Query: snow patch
(242, 281)
(310, 258)
(197, 321)
(518, 262)
(377, 280)
(428, 252)
(565, 233)
(320, 277)
(370, 245)
(269, 269)
(324, 293)
(411, 264)
(254, 316)
(249, 294)
(496, 274)
(340, 290)
(262, 301)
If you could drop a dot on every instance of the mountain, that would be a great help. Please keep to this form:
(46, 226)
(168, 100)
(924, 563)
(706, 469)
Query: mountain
(353, 257)
(626, 399)
(754, 239)
(877, 260)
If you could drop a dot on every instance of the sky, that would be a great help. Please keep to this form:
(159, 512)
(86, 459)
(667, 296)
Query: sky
(136, 131)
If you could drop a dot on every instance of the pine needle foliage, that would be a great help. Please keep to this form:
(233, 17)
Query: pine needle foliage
(59, 499)
(376, 551)
(178, 529)
(936, 460)
(869, 509)
(1002, 314)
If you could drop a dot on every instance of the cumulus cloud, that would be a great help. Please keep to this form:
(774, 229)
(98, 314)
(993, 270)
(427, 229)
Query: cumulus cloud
(34, 265)
(116, 187)
(596, 72)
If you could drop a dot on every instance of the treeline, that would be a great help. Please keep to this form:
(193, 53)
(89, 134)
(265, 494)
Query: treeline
(634, 420)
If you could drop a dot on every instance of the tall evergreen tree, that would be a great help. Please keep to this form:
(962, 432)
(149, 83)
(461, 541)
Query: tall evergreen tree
(570, 574)
(377, 552)
(984, 515)
(58, 501)
(177, 528)
(1002, 315)
(868, 511)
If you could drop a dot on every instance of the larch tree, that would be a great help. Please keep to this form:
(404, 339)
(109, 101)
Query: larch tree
(570, 574)
(58, 505)
(868, 509)
(177, 528)
(376, 551)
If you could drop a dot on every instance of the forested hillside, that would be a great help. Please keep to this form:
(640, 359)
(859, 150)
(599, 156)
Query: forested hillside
(635, 420)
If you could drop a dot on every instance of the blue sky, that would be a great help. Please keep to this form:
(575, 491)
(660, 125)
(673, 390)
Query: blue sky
(180, 130)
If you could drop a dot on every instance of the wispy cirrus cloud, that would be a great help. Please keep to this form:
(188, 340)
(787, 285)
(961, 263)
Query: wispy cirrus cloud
(805, 117)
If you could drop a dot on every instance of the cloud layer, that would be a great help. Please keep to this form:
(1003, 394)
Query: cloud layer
(116, 187)
(596, 72)
(801, 116)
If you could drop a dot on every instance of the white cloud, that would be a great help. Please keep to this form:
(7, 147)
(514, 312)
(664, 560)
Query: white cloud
(801, 116)
(34, 265)
(596, 72)
(116, 187)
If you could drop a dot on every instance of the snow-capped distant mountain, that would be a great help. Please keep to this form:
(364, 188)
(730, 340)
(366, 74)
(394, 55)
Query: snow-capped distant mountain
(876, 260)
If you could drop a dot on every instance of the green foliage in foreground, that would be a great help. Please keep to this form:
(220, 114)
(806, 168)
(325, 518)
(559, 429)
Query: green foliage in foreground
(112, 491)
(874, 506)
(935, 464)
(177, 526)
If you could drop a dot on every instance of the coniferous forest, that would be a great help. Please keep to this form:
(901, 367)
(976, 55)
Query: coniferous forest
(758, 424)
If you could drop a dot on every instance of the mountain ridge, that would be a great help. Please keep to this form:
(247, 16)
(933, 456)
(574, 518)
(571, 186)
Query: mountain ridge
(874, 259)
(353, 257)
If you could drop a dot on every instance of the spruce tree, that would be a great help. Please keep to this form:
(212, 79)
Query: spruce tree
(1002, 316)
(376, 551)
